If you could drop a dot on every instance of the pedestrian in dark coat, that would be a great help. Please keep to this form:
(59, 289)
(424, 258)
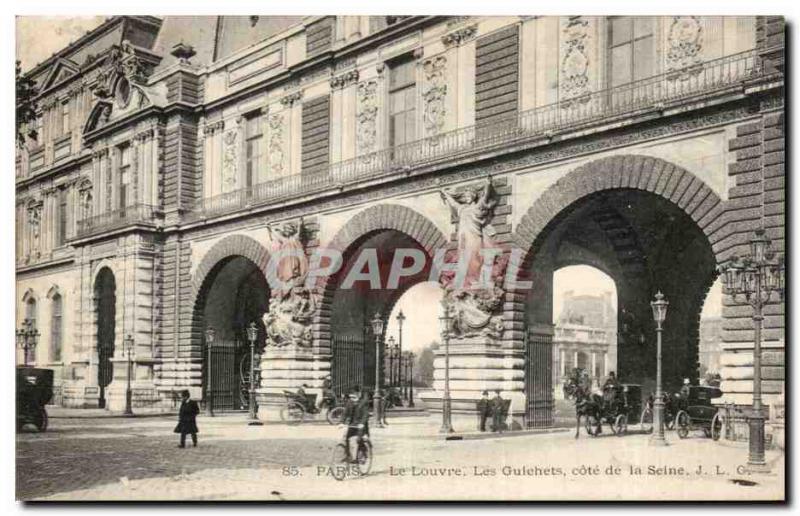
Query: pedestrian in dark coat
(498, 406)
(187, 423)
(484, 409)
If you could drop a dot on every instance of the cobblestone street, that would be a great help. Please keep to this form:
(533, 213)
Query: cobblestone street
(117, 458)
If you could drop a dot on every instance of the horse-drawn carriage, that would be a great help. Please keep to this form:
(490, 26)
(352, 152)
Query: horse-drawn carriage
(616, 406)
(697, 413)
(34, 391)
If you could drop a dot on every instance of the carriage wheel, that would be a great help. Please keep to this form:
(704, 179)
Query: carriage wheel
(646, 420)
(293, 413)
(682, 423)
(592, 426)
(335, 415)
(716, 427)
(621, 424)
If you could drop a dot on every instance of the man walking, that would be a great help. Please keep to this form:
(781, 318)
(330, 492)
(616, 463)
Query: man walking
(187, 423)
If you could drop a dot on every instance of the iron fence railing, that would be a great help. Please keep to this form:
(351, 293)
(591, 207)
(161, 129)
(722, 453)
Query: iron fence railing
(130, 215)
(657, 92)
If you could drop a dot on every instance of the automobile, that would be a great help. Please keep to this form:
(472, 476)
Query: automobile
(34, 391)
(697, 412)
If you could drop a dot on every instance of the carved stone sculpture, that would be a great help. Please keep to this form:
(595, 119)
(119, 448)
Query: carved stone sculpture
(475, 303)
(292, 305)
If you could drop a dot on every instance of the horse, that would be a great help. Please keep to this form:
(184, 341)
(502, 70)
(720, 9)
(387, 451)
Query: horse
(577, 387)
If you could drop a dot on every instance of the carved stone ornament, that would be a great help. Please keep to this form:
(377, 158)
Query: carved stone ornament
(34, 225)
(344, 80)
(366, 129)
(434, 95)
(276, 144)
(575, 60)
(290, 99)
(685, 45)
(123, 61)
(230, 159)
(476, 304)
(459, 36)
(291, 307)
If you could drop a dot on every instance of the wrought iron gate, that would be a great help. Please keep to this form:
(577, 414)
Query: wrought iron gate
(347, 365)
(222, 376)
(539, 377)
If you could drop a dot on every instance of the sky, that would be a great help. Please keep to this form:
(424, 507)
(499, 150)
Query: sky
(38, 37)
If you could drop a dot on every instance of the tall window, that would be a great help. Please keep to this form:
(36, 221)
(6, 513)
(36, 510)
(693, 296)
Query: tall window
(30, 315)
(56, 329)
(124, 175)
(61, 233)
(65, 117)
(253, 149)
(631, 49)
(402, 102)
(39, 128)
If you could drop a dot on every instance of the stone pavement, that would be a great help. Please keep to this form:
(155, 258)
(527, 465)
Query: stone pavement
(117, 459)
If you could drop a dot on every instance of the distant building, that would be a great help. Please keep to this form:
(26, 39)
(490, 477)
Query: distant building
(585, 336)
(710, 348)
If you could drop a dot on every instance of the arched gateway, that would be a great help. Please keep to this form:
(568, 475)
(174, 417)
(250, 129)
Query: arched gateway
(230, 291)
(653, 227)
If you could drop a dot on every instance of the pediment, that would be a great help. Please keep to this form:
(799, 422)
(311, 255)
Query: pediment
(61, 70)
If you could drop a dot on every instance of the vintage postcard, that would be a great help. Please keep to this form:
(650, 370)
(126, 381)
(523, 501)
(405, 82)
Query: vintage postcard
(415, 257)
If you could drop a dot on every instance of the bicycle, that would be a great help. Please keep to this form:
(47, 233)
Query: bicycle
(341, 463)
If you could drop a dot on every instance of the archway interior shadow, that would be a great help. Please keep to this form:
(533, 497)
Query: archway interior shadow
(353, 343)
(234, 294)
(645, 244)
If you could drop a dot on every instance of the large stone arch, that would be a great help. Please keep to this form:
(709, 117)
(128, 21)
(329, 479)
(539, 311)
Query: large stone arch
(357, 230)
(226, 249)
(673, 186)
(630, 171)
(232, 245)
(381, 217)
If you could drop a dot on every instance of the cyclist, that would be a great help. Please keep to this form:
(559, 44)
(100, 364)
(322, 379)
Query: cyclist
(356, 417)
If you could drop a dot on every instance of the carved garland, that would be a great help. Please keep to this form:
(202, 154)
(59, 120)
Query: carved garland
(276, 144)
(685, 43)
(575, 63)
(434, 95)
(366, 132)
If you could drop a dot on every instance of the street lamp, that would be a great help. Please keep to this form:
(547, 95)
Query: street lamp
(27, 338)
(659, 307)
(400, 319)
(392, 349)
(410, 379)
(445, 321)
(756, 277)
(377, 327)
(127, 349)
(210, 334)
(252, 334)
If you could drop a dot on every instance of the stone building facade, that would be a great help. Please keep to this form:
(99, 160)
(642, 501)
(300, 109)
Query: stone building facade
(174, 156)
(585, 336)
